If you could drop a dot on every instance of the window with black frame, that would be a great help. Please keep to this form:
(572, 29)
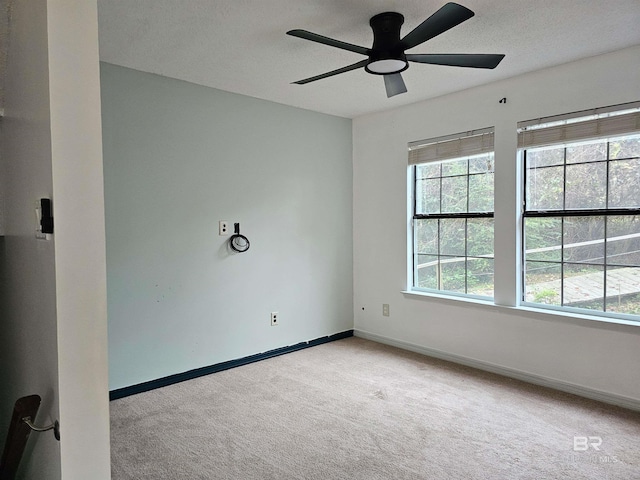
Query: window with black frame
(581, 218)
(453, 190)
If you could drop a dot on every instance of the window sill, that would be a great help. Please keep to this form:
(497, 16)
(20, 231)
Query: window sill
(529, 311)
(451, 298)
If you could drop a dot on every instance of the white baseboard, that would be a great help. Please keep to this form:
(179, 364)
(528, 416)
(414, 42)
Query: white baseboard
(579, 390)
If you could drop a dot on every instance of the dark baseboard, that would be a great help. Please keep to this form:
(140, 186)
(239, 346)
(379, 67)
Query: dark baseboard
(218, 367)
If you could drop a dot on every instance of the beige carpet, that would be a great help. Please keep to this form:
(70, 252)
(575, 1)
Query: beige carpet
(354, 409)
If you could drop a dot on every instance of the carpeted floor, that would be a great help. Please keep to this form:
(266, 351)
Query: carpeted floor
(355, 409)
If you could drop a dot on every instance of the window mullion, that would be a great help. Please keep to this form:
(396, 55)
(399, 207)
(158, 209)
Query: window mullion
(564, 207)
(606, 224)
(466, 235)
(439, 270)
(562, 261)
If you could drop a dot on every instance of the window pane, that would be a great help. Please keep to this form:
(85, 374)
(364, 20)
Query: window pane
(481, 164)
(480, 276)
(542, 157)
(427, 170)
(584, 239)
(480, 237)
(623, 240)
(440, 244)
(453, 274)
(627, 147)
(454, 194)
(426, 236)
(452, 236)
(623, 290)
(624, 184)
(586, 186)
(454, 167)
(587, 152)
(426, 271)
(428, 196)
(592, 260)
(543, 238)
(584, 286)
(481, 192)
(545, 188)
(542, 281)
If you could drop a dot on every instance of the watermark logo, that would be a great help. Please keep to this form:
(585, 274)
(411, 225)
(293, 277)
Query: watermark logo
(582, 444)
(589, 446)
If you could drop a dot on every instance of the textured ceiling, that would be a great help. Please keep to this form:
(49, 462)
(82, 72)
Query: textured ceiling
(240, 45)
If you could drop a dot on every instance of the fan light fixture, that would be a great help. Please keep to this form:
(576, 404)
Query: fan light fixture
(386, 66)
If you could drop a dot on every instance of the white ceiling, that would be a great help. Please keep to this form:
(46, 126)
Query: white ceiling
(240, 45)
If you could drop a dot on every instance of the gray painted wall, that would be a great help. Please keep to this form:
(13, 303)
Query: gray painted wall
(28, 342)
(178, 158)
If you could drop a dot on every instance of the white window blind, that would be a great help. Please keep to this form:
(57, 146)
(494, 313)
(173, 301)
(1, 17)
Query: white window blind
(452, 146)
(594, 125)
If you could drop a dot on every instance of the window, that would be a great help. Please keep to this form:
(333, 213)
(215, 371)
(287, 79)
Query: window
(574, 213)
(581, 218)
(452, 180)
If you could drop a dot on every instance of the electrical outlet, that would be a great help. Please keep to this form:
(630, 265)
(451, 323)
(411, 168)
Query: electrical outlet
(385, 309)
(223, 228)
(275, 319)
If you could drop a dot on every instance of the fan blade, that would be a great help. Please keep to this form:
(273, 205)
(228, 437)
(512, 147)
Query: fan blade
(447, 17)
(394, 84)
(314, 37)
(472, 60)
(333, 72)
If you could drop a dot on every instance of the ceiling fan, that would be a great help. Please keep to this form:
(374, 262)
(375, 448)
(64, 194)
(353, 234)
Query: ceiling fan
(387, 57)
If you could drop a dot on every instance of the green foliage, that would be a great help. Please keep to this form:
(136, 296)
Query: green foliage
(546, 295)
(585, 175)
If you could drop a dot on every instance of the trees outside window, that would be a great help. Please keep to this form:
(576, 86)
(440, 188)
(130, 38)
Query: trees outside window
(453, 220)
(582, 225)
(580, 213)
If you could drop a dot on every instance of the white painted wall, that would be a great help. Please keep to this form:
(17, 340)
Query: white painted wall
(78, 189)
(592, 355)
(177, 159)
(53, 295)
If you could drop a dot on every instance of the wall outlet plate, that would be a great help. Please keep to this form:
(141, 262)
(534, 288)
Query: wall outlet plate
(275, 319)
(223, 228)
(385, 309)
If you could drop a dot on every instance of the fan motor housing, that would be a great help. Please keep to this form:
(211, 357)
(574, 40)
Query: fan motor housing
(387, 54)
